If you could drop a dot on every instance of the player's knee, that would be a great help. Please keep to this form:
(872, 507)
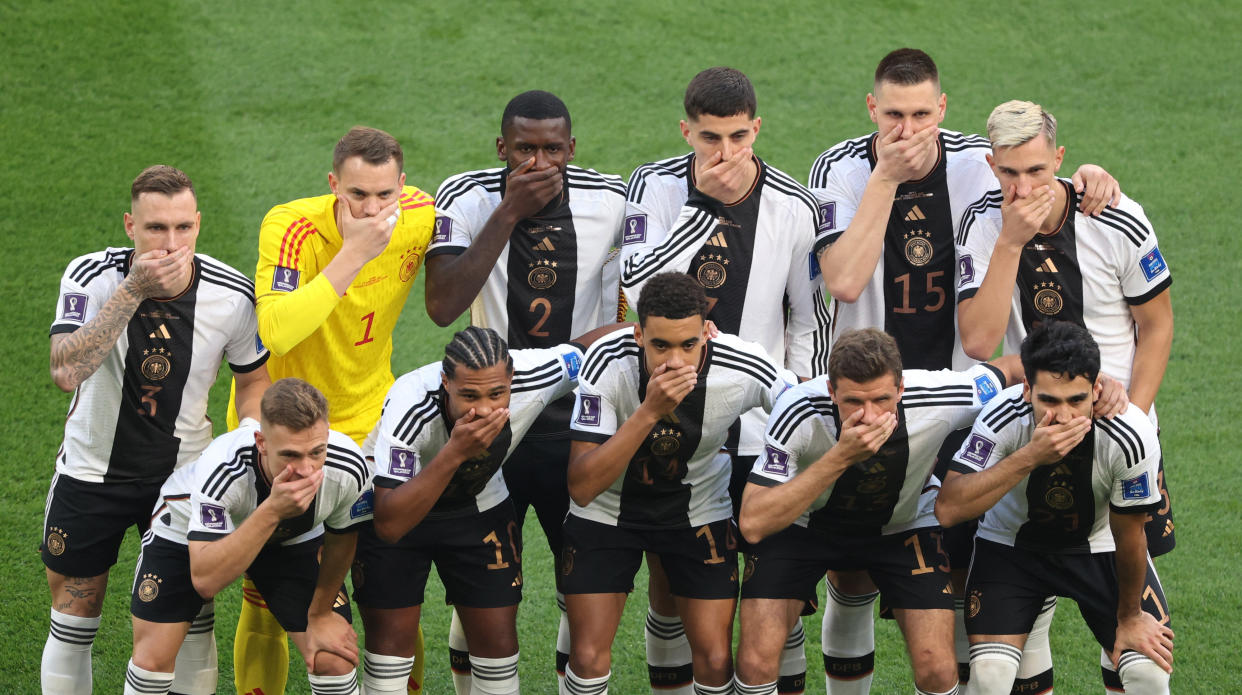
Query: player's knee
(589, 660)
(714, 662)
(1141, 676)
(934, 669)
(149, 660)
(757, 665)
(329, 664)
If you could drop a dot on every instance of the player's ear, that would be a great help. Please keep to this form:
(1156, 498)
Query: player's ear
(333, 182)
(758, 122)
(944, 103)
(573, 142)
(260, 442)
(1060, 157)
(1026, 390)
(685, 132)
(638, 334)
(872, 108)
(500, 150)
(401, 182)
(129, 225)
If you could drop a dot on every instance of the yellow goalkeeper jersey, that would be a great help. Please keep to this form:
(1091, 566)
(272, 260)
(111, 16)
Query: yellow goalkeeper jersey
(342, 345)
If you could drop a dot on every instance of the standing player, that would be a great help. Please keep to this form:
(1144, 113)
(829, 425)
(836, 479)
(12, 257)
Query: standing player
(138, 338)
(843, 485)
(647, 474)
(441, 497)
(1065, 498)
(1028, 257)
(528, 247)
(748, 233)
(891, 201)
(258, 501)
(334, 272)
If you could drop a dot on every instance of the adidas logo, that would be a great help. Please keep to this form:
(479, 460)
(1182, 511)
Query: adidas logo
(161, 332)
(545, 245)
(1047, 266)
(718, 239)
(915, 215)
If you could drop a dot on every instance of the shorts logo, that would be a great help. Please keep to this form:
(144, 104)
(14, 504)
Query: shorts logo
(149, 587)
(567, 560)
(56, 541)
(978, 449)
(572, 364)
(775, 461)
(588, 410)
(74, 307)
(364, 505)
(973, 603)
(212, 516)
(1135, 488)
(401, 463)
(285, 279)
(444, 230)
(965, 270)
(1153, 264)
(985, 388)
(828, 213)
(635, 230)
(749, 571)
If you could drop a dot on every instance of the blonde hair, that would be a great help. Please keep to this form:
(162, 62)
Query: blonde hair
(294, 404)
(1016, 123)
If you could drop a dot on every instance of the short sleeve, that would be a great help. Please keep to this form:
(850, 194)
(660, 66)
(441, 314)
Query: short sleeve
(786, 440)
(975, 242)
(407, 412)
(1144, 272)
(1134, 459)
(462, 208)
(595, 417)
(245, 351)
(837, 193)
(77, 304)
(985, 445)
(216, 504)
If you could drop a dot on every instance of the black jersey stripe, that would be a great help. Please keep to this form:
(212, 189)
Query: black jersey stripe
(938, 403)
(680, 239)
(535, 384)
(602, 354)
(538, 371)
(805, 408)
(1122, 424)
(239, 462)
(224, 482)
(941, 389)
(1127, 224)
(742, 368)
(784, 182)
(427, 401)
(344, 460)
(1125, 436)
(1003, 408)
(489, 180)
(823, 163)
(113, 262)
(226, 271)
(991, 199)
(756, 362)
(674, 166)
(415, 419)
(961, 138)
(228, 281)
(1007, 414)
(586, 178)
(822, 335)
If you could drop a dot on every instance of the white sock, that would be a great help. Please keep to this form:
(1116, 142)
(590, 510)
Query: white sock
(344, 684)
(139, 681)
(197, 666)
(726, 689)
(670, 667)
(1141, 676)
(575, 685)
(951, 691)
(1035, 670)
(382, 673)
(848, 642)
(66, 668)
(993, 666)
(494, 676)
(793, 662)
(741, 688)
(459, 656)
(562, 641)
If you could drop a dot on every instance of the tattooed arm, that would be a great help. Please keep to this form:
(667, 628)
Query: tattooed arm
(76, 356)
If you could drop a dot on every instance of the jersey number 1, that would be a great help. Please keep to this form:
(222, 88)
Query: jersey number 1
(366, 334)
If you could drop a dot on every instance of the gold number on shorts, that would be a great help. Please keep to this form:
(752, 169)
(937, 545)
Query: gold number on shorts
(713, 556)
(918, 557)
(1149, 593)
(500, 563)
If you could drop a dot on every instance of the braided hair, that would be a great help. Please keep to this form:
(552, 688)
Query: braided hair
(475, 348)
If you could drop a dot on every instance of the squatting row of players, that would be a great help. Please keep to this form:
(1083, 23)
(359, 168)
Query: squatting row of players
(802, 388)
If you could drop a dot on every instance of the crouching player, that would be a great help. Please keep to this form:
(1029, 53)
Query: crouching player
(258, 501)
(441, 497)
(844, 485)
(1066, 500)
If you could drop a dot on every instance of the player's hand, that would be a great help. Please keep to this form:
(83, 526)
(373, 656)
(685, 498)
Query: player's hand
(1022, 217)
(330, 632)
(726, 180)
(668, 387)
(859, 442)
(1051, 442)
(1113, 399)
(1145, 635)
(367, 237)
(898, 160)
(160, 273)
(472, 434)
(528, 190)
(1098, 188)
(292, 496)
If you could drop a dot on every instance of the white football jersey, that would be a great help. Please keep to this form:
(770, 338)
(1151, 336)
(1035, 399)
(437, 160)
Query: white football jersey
(415, 427)
(677, 478)
(911, 292)
(1064, 507)
(894, 490)
(1090, 271)
(755, 258)
(210, 498)
(557, 277)
(144, 410)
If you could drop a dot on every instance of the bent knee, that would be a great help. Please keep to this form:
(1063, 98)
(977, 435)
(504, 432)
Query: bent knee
(935, 670)
(329, 664)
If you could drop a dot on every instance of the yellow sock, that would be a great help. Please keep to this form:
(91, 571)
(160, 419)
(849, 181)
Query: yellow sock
(260, 649)
(415, 685)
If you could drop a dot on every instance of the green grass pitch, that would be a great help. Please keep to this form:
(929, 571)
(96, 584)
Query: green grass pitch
(249, 98)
